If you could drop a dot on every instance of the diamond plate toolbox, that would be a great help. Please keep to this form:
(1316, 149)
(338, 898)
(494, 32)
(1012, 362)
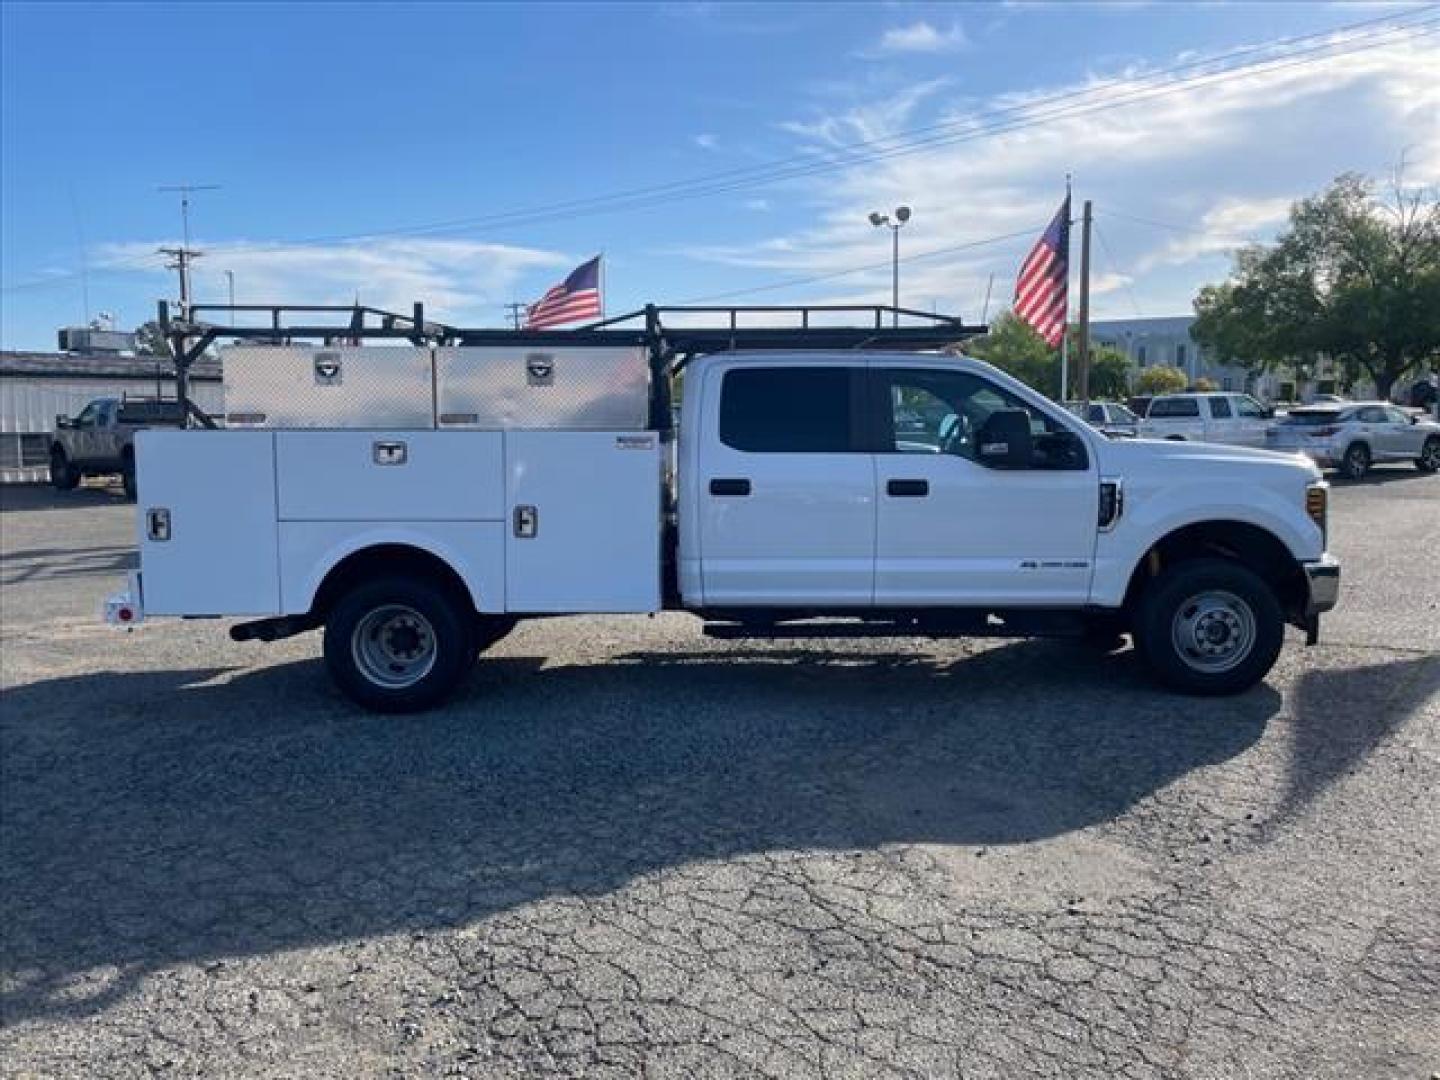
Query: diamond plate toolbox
(581, 389)
(276, 386)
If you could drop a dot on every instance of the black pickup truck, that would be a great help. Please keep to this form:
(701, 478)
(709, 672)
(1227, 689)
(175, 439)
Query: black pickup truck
(98, 441)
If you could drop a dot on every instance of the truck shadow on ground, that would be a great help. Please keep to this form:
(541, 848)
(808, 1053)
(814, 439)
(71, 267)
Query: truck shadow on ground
(40, 564)
(90, 494)
(178, 817)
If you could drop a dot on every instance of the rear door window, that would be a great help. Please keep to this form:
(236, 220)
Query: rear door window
(1220, 408)
(789, 410)
(1174, 407)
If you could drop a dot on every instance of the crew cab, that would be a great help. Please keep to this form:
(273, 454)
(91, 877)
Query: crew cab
(823, 492)
(99, 439)
(1233, 419)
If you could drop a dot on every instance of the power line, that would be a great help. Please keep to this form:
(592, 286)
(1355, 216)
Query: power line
(1182, 228)
(831, 275)
(1115, 269)
(944, 134)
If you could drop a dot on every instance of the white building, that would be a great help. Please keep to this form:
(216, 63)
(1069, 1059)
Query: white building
(37, 387)
(1167, 340)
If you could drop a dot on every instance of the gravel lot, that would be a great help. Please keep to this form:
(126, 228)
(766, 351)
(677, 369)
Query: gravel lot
(629, 850)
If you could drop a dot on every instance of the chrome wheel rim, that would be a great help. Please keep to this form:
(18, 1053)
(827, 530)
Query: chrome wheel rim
(394, 646)
(1357, 461)
(1431, 455)
(1213, 631)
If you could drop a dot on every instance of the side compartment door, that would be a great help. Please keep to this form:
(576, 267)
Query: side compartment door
(584, 521)
(956, 529)
(207, 521)
(786, 491)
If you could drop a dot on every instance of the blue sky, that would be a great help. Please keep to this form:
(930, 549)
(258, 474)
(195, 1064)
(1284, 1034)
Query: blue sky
(361, 146)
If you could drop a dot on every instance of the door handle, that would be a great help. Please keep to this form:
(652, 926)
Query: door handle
(732, 487)
(907, 489)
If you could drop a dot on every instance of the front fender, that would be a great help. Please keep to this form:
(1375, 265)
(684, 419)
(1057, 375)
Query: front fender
(1153, 512)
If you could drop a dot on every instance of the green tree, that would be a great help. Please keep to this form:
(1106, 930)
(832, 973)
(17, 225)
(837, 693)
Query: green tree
(1015, 348)
(150, 340)
(1356, 277)
(1109, 372)
(1160, 379)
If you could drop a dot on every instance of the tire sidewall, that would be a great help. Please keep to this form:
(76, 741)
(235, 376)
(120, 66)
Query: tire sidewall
(63, 476)
(1357, 454)
(454, 640)
(1163, 598)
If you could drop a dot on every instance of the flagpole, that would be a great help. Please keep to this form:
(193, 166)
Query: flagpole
(1065, 333)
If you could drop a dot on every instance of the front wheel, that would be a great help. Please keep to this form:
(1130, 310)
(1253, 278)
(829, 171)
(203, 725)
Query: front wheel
(1209, 627)
(1429, 459)
(398, 644)
(63, 475)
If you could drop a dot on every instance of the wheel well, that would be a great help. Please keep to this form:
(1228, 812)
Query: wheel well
(387, 559)
(1256, 548)
(127, 453)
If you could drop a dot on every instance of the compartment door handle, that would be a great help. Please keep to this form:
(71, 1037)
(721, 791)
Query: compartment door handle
(730, 487)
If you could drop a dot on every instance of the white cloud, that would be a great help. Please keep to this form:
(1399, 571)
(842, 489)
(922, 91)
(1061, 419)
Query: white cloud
(458, 280)
(705, 141)
(758, 205)
(1218, 161)
(922, 37)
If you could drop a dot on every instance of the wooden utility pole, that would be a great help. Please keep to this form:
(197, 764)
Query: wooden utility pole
(1085, 305)
(517, 313)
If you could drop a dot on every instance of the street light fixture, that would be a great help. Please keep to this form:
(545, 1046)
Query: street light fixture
(879, 220)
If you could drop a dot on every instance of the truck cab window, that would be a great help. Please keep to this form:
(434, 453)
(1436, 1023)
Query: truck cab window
(787, 410)
(1220, 408)
(945, 412)
(88, 415)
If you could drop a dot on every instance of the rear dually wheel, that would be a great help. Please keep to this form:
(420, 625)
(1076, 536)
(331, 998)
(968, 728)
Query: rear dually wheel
(398, 644)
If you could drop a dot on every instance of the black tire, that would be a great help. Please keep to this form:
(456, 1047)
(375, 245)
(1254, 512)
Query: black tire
(127, 476)
(398, 644)
(1356, 462)
(490, 629)
(1429, 459)
(63, 475)
(1222, 602)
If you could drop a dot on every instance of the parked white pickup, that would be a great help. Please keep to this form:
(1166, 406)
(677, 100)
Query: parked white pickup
(1234, 419)
(896, 493)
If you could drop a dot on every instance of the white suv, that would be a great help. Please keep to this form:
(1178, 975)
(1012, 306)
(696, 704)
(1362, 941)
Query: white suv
(1353, 437)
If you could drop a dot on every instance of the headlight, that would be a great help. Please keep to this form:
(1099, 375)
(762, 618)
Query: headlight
(1317, 505)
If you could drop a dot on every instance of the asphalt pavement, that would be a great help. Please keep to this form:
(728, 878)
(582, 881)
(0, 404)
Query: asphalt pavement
(628, 850)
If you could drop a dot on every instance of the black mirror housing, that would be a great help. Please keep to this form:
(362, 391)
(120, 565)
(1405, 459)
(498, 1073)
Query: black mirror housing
(1005, 440)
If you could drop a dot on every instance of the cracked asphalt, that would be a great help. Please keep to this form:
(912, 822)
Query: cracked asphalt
(627, 850)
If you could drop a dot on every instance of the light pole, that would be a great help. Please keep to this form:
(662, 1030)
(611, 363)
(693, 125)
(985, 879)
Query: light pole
(230, 281)
(879, 220)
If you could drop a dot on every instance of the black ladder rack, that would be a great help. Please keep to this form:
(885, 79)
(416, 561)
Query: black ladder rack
(672, 335)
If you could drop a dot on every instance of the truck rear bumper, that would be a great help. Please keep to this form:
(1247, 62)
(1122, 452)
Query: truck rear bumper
(126, 608)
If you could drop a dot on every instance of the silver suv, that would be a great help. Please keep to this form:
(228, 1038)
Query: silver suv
(1352, 437)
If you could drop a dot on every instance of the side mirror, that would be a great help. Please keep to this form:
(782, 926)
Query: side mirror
(1005, 440)
(1269, 412)
(63, 421)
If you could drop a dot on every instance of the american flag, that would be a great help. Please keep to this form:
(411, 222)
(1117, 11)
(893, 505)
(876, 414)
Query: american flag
(575, 298)
(1041, 291)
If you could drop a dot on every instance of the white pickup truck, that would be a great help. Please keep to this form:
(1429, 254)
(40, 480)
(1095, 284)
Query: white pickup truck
(416, 502)
(1233, 419)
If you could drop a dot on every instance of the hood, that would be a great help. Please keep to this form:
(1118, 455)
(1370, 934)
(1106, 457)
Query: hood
(1122, 455)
